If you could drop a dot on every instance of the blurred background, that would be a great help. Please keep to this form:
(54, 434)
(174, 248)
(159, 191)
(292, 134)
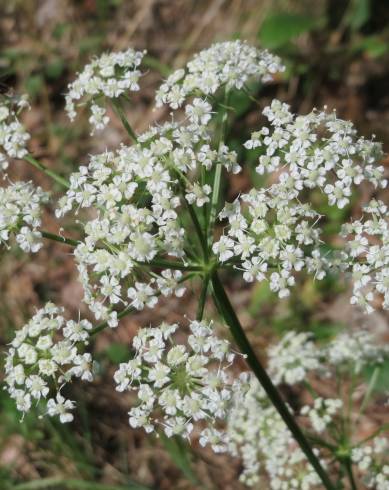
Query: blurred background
(336, 53)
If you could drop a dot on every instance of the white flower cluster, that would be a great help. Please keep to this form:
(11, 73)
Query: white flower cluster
(228, 64)
(137, 193)
(179, 385)
(295, 356)
(110, 75)
(44, 356)
(273, 235)
(351, 353)
(317, 150)
(257, 433)
(322, 412)
(366, 256)
(291, 358)
(370, 460)
(13, 136)
(20, 214)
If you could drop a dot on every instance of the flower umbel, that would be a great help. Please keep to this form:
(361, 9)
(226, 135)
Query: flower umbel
(179, 385)
(44, 356)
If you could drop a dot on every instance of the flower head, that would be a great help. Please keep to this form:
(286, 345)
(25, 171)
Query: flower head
(45, 355)
(20, 214)
(13, 136)
(229, 64)
(176, 384)
(110, 75)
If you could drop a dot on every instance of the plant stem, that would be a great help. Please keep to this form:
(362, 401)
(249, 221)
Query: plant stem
(60, 239)
(119, 111)
(349, 471)
(218, 171)
(170, 264)
(226, 310)
(161, 263)
(202, 299)
(60, 180)
(197, 225)
(369, 391)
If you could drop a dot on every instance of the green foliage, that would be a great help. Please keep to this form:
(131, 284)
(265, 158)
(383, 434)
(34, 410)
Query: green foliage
(380, 371)
(358, 14)
(280, 28)
(374, 46)
(117, 353)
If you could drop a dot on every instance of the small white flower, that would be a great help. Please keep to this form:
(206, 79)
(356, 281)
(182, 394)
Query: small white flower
(61, 407)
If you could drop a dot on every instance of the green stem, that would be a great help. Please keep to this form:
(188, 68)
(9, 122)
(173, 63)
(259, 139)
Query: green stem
(60, 239)
(60, 180)
(369, 391)
(218, 172)
(197, 225)
(119, 111)
(227, 312)
(214, 200)
(373, 435)
(101, 326)
(202, 299)
(349, 470)
(192, 213)
(170, 264)
(161, 263)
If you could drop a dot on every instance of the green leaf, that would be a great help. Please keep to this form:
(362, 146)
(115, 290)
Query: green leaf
(359, 14)
(55, 69)
(34, 85)
(279, 29)
(373, 46)
(118, 353)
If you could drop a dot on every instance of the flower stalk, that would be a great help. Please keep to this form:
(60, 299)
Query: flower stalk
(117, 107)
(228, 313)
(50, 173)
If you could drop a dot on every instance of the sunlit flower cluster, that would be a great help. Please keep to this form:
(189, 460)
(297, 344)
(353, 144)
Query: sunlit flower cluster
(179, 385)
(110, 75)
(20, 214)
(229, 64)
(273, 235)
(317, 150)
(138, 193)
(366, 256)
(45, 355)
(13, 136)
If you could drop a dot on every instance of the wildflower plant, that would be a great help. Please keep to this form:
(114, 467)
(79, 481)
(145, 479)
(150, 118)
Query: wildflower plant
(152, 218)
